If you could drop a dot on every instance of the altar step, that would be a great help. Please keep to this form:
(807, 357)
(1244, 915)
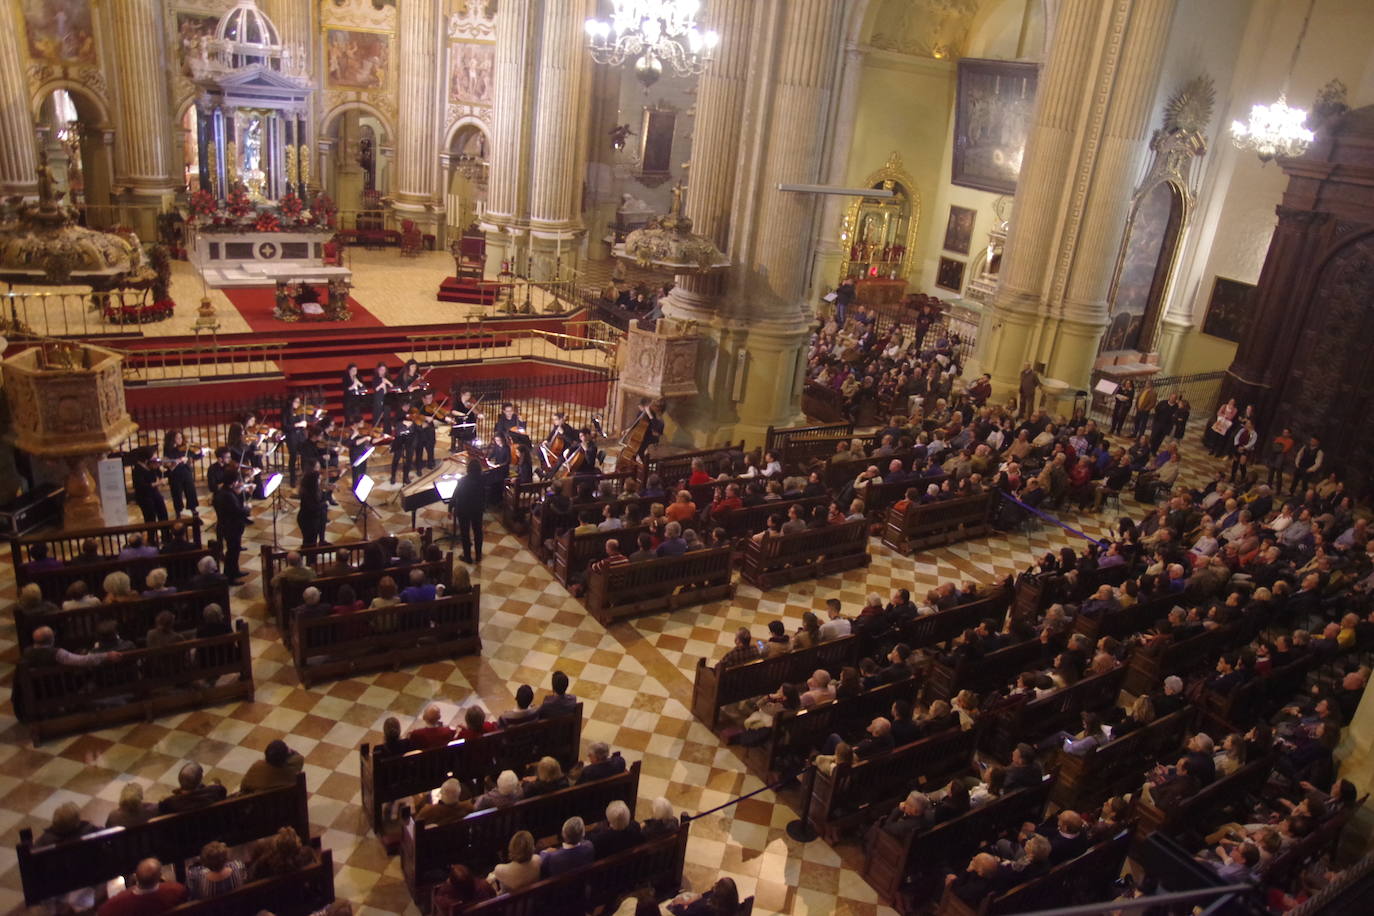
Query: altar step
(267, 273)
(468, 292)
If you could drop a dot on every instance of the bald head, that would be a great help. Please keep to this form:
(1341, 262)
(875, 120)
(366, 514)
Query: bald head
(43, 636)
(148, 873)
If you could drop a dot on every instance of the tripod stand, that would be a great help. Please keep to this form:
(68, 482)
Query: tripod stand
(279, 500)
(361, 488)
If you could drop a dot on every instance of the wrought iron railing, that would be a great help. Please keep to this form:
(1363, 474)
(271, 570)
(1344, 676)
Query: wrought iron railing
(203, 361)
(475, 343)
(1202, 391)
(77, 314)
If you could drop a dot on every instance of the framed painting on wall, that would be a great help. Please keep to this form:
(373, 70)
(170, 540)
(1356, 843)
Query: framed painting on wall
(1228, 312)
(959, 229)
(950, 275)
(358, 60)
(60, 31)
(992, 118)
(471, 65)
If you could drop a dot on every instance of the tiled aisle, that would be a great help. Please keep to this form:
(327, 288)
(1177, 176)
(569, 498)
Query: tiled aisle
(634, 678)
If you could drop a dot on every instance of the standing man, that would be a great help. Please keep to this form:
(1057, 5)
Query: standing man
(146, 493)
(382, 385)
(1027, 387)
(1163, 421)
(469, 502)
(1307, 464)
(1144, 406)
(231, 518)
(425, 433)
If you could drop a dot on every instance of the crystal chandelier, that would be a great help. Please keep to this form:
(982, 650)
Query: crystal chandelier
(1277, 129)
(651, 32)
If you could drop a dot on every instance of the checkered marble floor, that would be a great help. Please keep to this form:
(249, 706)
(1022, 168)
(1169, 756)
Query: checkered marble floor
(634, 678)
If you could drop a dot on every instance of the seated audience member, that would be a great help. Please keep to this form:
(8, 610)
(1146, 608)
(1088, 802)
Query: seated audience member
(345, 602)
(620, 833)
(132, 810)
(505, 793)
(912, 815)
(149, 894)
(44, 652)
(118, 589)
(392, 742)
(192, 792)
(39, 561)
(575, 851)
(280, 854)
(419, 589)
(177, 542)
(156, 582)
(163, 632)
(560, 702)
(778, 640)
(524, 710)
(520, 868)
(77, 595)
(207, 575)
(548, 777)
(663, 821)
(448, 808)
(311, 607)
(216, 874)
(475, 723)
(433, 733)
(980, 880)
(721, 900)
(278, 768)
(294, 570)
(601, 763)
(135, 549)
(745, 650)
(212, 622)
(90, 554)
(674, 544)
(67, 824)
(819, 689)
(836, 626)
(1024, 772)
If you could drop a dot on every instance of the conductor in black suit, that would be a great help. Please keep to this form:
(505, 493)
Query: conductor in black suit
(469, 502)
(231, 518)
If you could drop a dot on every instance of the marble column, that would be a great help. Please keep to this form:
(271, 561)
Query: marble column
(825, 272)
(1095, 237)
(559, 158)
(417, 146)
(19, 152)
(295, 24)
(146, 171)
(507, 212)
(1356, 761)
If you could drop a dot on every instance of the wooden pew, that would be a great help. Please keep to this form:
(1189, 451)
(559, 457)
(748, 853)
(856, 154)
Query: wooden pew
(519, 498)
(1036, 719)
(1258, 697)
(1147, 669)
(55, 582)
(672, 468)
(779, 438)
(697, 577)
(387, 638)
(992, 671)
(942, 626)
(1123, 623)
(321, 556)
(66, 545)
(936, 524)
(76, 628)
(655, 864)
(807, 554)
(916, 864)
(392, 777)
(1117, 767)
(573, 553)
(714, 687)
(364, 585)
(546, 523)
(855, 793)
(839, 473)
(796, 734)
(879, 498)
(300, 893)
(740, 524)
(142, 684)
(1198, 813)
(478, 840)
(173, 838)
(1086, 879)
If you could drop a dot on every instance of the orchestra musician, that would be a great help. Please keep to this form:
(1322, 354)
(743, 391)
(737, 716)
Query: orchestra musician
(509, 420)
(313, 513)
(498, 460)
(354, 390)
(426, 432)
(465, 417)
(220, 471)
(232, 516)
(648, 413)
(469, 502)
(181, 479)
(561, 430)
(591, 455)
(411, 380)
(358, 440)
(293, 423)
(146, 475)
(382, 385)
(403, 448)
(320, 451)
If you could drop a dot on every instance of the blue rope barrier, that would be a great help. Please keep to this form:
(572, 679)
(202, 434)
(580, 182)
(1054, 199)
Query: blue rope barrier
(1051, 519)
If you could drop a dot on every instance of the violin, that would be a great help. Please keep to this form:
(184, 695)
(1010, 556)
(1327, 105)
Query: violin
(264, 432)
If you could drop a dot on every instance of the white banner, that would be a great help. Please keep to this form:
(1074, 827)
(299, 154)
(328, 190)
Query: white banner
(114, 498)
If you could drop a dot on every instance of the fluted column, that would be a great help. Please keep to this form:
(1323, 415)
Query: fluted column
(295, 27)
(18, 152)
(829, 254)
(143, 147)
(506, 216)
(559, 130)
(1113, 163)
(417, 150)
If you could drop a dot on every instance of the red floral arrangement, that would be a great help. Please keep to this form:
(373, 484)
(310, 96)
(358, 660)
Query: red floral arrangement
(291, 206)
(202, 204)
(239, 204)
(324, 210)
(267, 222)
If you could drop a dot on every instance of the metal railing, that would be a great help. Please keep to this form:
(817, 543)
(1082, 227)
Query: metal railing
(580, 395)
(475, 343)
(204, 423)
(77, 314)
(201, 361)
(1202, 391)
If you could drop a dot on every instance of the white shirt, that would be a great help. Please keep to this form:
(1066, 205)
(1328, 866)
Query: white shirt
(834, 629)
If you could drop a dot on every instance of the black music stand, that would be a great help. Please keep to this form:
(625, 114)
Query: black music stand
(445, 487)
(271, 489)
(362, 487)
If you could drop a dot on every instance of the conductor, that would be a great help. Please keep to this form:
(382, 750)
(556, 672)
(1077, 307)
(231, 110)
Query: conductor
(469, 502)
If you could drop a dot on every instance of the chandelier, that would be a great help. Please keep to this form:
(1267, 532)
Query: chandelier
(652, 32)
(1277, 129)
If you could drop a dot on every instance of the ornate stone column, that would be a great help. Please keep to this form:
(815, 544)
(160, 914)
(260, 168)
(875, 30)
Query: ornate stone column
(417, 147)
(295, 24)
(559, 132)
(146, 173)
(18, 154)
(826, 269)
(507, 211)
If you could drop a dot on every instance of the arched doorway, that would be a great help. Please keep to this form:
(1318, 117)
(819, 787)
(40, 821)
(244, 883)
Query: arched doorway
(357, 150)
(71, 128)
(466, 187)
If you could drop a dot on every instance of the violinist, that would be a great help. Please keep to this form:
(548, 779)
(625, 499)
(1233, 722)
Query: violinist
(181, 477)
(382, 385)
(293, 422)
(465, 417)
(232, 515)
(223, 469)
(314, 509)
(146, 474)
(403, 448)
(358, 440)
(498, 459)
(425, 432)
(315, 450)
(411, 380)
(508, 421)
(354, 390)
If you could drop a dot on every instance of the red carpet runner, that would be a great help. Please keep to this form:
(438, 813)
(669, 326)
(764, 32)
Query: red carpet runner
(255, 304)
